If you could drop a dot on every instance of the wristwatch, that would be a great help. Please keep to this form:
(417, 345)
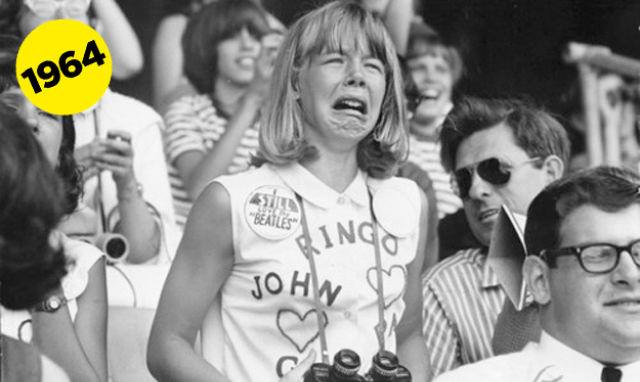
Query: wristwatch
(51, 304)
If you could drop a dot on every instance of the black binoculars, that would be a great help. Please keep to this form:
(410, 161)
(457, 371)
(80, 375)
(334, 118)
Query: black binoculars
(346, 363)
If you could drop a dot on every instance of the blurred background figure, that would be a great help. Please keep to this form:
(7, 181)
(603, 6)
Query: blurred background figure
(20, 17)
(230, 48)
(435, 68)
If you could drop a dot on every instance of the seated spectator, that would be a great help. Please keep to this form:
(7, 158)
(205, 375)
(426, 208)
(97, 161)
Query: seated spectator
(500, 152)
(70, 326)
(411, 171)
(583, 270)
(214, 132)
(435, 69)
(169, 81)
(31, 266)
(20, 17)
(126, 186)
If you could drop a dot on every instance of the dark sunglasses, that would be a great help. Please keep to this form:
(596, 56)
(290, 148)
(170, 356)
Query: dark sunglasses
(491, 170)
(595, 258)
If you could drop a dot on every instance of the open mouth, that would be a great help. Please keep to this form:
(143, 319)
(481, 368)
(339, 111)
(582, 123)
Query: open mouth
(351, 104)
(246, 62)
(431, 94)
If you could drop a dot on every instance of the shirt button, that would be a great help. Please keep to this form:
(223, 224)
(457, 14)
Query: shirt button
(342, 200)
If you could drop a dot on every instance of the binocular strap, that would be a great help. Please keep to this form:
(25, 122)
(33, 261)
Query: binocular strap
(381, 326)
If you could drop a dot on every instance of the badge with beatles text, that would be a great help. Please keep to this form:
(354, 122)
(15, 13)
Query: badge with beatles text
(272, 212)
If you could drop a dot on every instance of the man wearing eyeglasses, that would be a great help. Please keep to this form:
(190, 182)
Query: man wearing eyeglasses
(500, 152)
(583, 235)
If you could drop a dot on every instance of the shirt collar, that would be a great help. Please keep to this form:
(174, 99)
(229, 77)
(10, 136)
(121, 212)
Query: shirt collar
(313, 190)
(563, 355)
(489, 277)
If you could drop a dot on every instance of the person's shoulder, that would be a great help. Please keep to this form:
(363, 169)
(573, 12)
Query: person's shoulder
(503, 368)
(190, 102)
(455, 264)
(399, 184)
(128, 108)
(80, 251)
(81, 257)
(249, 179)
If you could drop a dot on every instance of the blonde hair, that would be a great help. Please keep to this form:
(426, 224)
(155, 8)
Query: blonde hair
(282, 138)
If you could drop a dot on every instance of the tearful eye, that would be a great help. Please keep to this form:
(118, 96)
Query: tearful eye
(375, 65)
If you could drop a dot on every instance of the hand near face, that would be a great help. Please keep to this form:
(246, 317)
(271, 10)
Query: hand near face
(264, 65)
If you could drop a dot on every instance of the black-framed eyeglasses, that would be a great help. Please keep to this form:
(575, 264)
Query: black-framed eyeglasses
(595, 258)
(492, 170)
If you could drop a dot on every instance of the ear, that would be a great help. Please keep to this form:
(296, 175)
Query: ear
(554, 168)
(536, 275)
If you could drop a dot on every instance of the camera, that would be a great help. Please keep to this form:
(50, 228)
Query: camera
(346, 363)
(386, 368)
(117, 136)
(114, 245)
(344, 369)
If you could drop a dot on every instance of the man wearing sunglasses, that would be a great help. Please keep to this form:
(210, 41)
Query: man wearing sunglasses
(583, 235)
(500, 152)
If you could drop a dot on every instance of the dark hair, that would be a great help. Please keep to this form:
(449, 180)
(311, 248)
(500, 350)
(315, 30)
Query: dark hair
(535, 131)
(608, 188)
(67, 168)
(411, 92)
(30, 207)
(9, 10)
(9, 46)
(214, 23)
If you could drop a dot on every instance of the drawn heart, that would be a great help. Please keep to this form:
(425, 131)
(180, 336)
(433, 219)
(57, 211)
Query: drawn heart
(393, 276)
(293, 327)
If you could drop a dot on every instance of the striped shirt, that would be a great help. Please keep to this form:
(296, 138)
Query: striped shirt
(462, 300)
(426, 154)
(194, 124)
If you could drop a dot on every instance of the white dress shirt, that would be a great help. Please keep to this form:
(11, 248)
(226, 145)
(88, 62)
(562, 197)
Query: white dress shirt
(546, 361)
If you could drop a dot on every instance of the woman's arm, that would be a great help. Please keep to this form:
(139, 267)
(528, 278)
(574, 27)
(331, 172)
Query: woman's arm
(136, 223)
(200, 268)
(411, 350)
(397, 16)
(91, 320)
(120, 37)
(55, 336)
(197, 169)
(166, 57)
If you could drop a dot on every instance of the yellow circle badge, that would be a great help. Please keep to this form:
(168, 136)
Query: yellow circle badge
(63, 67)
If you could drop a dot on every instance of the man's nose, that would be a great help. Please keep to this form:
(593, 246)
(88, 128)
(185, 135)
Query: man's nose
(479, 188)
(626, 272)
